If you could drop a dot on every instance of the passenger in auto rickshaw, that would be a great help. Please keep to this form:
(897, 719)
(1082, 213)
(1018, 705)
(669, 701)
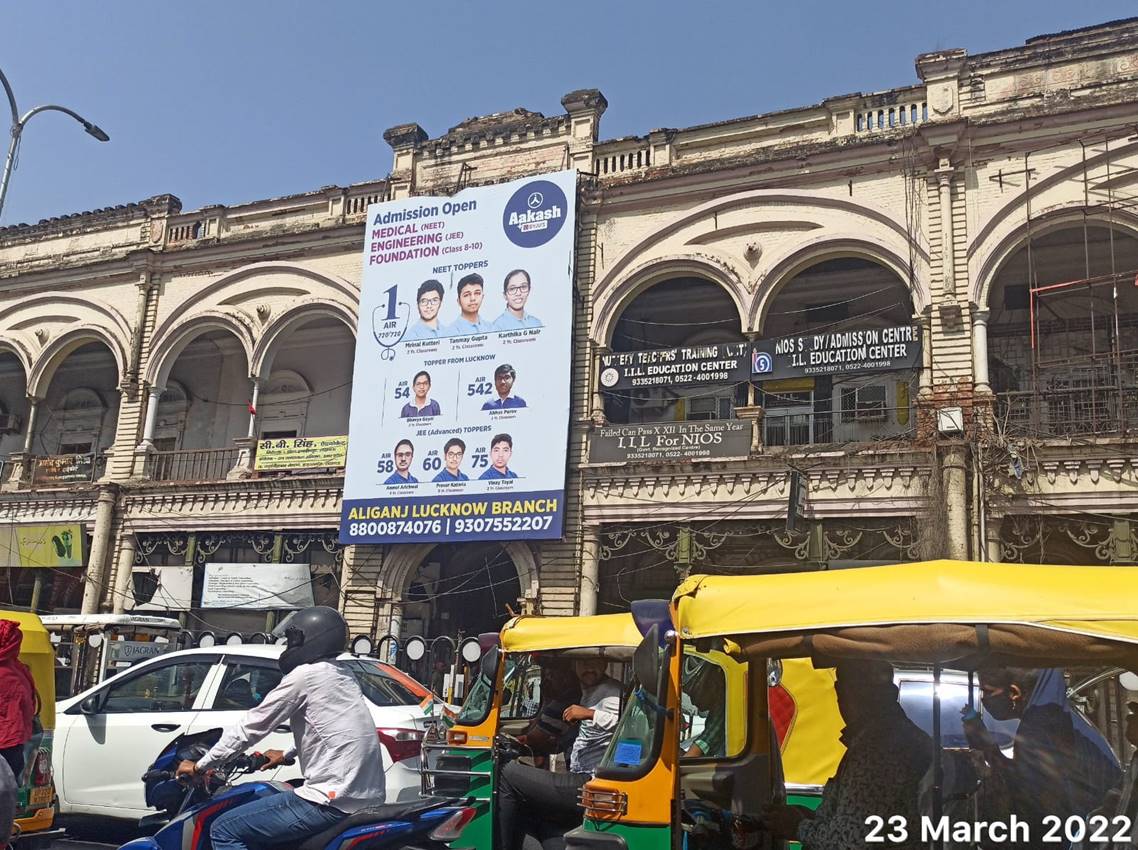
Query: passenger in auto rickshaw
(548, 732)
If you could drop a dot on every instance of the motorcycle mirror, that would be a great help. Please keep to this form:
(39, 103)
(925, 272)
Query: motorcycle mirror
(1129, 681)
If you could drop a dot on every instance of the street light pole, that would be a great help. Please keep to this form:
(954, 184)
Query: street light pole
(18, 124)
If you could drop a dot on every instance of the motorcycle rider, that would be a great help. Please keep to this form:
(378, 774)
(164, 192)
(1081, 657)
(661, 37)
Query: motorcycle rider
(334, 735)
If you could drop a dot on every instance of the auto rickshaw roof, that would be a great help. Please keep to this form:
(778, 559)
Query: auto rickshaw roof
(102, 621)
(546, 634)
(932, 611)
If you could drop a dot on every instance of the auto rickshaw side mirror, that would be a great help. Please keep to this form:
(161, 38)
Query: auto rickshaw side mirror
(488, 666)
(646, 661)
(93, 704)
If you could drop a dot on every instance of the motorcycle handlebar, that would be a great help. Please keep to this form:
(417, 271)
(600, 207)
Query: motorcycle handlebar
(157, 775)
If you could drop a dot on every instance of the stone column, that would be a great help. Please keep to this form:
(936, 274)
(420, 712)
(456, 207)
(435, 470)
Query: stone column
(128, 545)
(597, 413)
(590, 569)
(253, 404)
(954, 486)
(980, 351)
(947, 234)
(96, 575)
(992, 528)
(925, 384)
(29, 436)
(151, 422)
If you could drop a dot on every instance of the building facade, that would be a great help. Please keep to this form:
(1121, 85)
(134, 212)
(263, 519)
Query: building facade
(990, 206)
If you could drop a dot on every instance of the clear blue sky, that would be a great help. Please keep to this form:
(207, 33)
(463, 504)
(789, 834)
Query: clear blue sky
(225, 101)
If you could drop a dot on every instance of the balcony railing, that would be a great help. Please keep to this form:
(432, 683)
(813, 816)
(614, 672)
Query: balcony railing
(1069, 411)
(836, 426)
(193, 464)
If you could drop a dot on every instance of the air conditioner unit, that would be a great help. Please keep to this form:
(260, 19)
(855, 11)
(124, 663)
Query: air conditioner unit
(9, 423)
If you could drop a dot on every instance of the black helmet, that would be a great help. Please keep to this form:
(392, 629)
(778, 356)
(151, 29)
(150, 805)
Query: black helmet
(311, 634)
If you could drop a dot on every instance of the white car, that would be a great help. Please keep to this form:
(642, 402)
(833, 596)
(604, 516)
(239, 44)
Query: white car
(107, 736)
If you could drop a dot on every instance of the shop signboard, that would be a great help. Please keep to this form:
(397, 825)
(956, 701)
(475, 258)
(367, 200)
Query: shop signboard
(301, 453)
(671, 442)
(257, 586)
(837, 352)
(460, 408)
(716, 363)
(42, 545)
(63, 469)
(126, 652)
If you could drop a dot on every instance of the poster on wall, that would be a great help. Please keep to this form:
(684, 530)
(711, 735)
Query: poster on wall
(257, 587)
(49, 545)
(161, 589)
(838, 352)
(460, 412)
(663, 442)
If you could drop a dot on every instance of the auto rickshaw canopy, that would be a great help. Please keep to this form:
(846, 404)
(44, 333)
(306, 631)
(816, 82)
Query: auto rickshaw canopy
(933, 612)
(547, 634)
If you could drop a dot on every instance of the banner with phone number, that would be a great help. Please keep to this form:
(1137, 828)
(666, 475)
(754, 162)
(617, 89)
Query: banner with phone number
(460, 413)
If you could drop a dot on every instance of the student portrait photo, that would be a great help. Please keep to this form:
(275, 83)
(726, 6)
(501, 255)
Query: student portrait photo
(501, 450)
(504, 377)
(429, 301)
(404, 454)
(453, 452)
(471, 291)
(515, 289)
(420, 404)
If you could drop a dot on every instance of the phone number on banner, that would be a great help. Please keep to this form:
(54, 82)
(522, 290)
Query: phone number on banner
(513, 516)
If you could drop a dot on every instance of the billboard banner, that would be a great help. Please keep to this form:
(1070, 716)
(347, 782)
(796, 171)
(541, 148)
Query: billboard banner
(161, 589)
(839, 352)
(460, 407)
(49, 545)
(300, 453)
(257, 586)
(671, 442)
(724, 362)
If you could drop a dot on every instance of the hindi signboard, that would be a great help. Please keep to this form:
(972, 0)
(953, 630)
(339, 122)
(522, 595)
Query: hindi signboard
(838, 352)
(714, 439)
(257, 586)
(63, 469)
(300, 453)
(718, 363)
(460, 412)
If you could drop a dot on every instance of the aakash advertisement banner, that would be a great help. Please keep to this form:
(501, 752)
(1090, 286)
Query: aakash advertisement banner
(460, 402)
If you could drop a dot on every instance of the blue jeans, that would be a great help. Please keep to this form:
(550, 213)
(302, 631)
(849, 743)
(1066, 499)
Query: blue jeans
(277, 819)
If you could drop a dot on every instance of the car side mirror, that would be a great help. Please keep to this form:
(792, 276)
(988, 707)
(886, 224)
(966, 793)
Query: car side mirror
(93, 704)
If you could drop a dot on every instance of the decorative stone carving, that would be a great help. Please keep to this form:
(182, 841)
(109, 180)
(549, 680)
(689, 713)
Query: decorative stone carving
(263, 313)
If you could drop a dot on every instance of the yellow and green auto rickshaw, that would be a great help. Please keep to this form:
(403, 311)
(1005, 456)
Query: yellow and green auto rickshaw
(953, 618)
(35, 809)
(503, 700)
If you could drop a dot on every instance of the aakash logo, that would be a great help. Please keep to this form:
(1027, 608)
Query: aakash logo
(534, 214)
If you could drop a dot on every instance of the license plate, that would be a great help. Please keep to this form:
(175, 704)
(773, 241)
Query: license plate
(40, 797)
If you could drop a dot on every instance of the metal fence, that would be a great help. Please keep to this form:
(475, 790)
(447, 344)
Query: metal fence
(193, 464)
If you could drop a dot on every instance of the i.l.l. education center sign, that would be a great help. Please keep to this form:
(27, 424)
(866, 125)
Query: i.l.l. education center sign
(838, 352)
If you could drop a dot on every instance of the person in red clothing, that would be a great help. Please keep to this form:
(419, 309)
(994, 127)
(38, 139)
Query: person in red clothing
(17, 698)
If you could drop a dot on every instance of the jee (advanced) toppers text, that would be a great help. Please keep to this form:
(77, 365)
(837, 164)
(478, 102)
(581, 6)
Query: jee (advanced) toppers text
(454, 338)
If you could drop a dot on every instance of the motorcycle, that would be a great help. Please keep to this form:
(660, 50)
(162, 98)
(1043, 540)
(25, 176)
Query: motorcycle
(188, 807)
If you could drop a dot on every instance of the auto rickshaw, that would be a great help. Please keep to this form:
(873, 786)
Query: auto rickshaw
(35, 810)
(948, 615)
(502, 701)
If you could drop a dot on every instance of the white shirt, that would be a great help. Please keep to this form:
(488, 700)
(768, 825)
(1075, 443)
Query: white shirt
(593, 736)
(335, 738)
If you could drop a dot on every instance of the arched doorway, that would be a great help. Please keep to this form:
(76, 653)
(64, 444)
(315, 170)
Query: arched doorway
(676, 312)
(467, 588)
(1063, 333)
(844, 293)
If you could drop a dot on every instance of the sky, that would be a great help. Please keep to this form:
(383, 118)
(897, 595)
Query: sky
(229, 101)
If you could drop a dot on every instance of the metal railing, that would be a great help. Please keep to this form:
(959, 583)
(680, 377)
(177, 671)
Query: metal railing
(838, 426)
(193, 464)
(1086, 411)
